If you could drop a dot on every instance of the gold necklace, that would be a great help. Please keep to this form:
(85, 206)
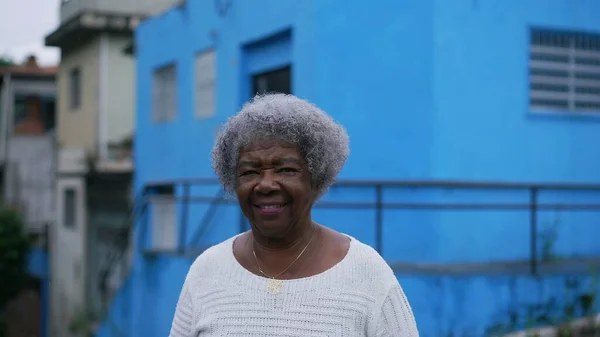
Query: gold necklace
(274, 285)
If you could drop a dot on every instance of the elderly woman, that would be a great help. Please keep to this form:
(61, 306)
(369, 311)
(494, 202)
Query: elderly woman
(288, 275)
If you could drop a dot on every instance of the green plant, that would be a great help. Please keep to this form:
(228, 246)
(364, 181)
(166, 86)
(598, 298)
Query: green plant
(577, 302)
(81, 324)
(127, 142)
(14, 248)
(6, 61)
(549, 236)
(3, 329)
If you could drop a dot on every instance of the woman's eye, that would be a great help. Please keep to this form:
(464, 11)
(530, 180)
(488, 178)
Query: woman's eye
(246, 173)
(287, 170)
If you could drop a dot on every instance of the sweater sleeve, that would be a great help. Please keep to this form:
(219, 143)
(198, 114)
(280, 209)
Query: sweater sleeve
(183, 321)
(396, 318)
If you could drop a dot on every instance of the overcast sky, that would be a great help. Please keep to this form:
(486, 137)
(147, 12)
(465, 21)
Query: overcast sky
(23, 26)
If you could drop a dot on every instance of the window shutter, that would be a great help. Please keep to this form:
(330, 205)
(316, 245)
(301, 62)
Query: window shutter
(205, 77)
(564, 72)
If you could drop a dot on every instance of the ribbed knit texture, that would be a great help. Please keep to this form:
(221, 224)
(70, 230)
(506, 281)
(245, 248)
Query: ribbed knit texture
(360, 296)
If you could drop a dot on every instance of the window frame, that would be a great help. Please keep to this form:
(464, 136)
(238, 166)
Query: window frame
(263, 76)
(558, 76)
(69, 200)
(164, 93)
(75, 88)
(163, 217)
(205, 81)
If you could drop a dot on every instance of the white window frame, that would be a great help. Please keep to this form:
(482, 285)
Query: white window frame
(205, 84)
(564, 72)
(164, 93)
(163, 219)
(77, 186)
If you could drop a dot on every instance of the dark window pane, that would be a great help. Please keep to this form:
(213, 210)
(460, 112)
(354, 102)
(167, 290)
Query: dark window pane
(75, 88)
(49, 114)
(278, 80)
(70, 211)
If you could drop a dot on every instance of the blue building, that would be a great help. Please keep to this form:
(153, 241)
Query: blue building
(438, 98)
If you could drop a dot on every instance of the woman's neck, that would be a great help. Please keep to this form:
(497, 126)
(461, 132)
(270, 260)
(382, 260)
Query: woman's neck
(283, 256)
(289, 242)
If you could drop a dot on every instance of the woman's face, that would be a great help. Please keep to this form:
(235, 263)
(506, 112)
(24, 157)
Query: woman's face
(274, 187)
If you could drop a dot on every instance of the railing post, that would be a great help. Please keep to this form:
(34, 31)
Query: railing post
(378, 218)
(533, 203)
(144, 219)
(184, 217)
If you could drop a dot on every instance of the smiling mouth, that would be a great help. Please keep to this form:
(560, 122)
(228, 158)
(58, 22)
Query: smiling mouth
(268, 209)
(270, 206)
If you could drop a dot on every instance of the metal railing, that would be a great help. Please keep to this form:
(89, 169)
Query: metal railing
(118, 266)
(533, 206)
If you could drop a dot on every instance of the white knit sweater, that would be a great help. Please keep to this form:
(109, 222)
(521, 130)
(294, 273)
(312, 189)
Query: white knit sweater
(360, 296)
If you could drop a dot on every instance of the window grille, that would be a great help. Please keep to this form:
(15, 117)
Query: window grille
(164, 100)
(205, 84)
(564, 72)
(164, 223)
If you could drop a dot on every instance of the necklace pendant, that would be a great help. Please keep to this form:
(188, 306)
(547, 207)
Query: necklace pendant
(274, 286)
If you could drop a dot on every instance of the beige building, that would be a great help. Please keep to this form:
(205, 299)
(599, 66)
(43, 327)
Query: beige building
(95, 127)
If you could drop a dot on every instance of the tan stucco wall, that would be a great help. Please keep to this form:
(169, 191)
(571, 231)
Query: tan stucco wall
(121, 90)
(76, 128)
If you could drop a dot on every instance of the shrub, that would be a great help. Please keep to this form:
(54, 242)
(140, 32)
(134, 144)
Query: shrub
(14, 248)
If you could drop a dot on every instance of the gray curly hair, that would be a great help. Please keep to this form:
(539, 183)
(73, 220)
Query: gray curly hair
(322, 141)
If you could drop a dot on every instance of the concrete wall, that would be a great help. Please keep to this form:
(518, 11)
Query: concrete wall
(481, 95)
(28, 152)
(77, 135)
(38, 267)
(33, 157)
(120, 90)
(148, 7)
(77, 128)
(108, 94)
(321, 71)
(426, 90)
(482, 113)
(68, 260)
(444, 305)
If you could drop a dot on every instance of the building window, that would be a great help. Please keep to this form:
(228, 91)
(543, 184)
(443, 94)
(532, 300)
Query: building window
(70, 208)
(564, 71)
(34, 115)
(164, 95)
(205, 84)
(75, 88)
(278, 80)
(164, 219)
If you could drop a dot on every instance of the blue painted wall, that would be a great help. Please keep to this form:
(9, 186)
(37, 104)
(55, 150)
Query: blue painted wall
(37, 266)
(485, 131)
(118, 319)
(427, 90)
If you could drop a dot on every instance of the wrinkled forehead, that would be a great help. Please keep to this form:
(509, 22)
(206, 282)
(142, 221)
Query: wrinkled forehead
(270, 151)
(268, 144)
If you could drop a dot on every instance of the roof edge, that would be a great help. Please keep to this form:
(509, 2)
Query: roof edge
(92, 22)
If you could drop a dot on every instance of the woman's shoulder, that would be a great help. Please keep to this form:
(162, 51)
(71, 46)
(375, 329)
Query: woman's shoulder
(369, 264)
(216, 257)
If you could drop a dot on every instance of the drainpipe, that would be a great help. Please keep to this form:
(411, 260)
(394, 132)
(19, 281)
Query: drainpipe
(4, 116)
(5, 135)
(102, 98)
